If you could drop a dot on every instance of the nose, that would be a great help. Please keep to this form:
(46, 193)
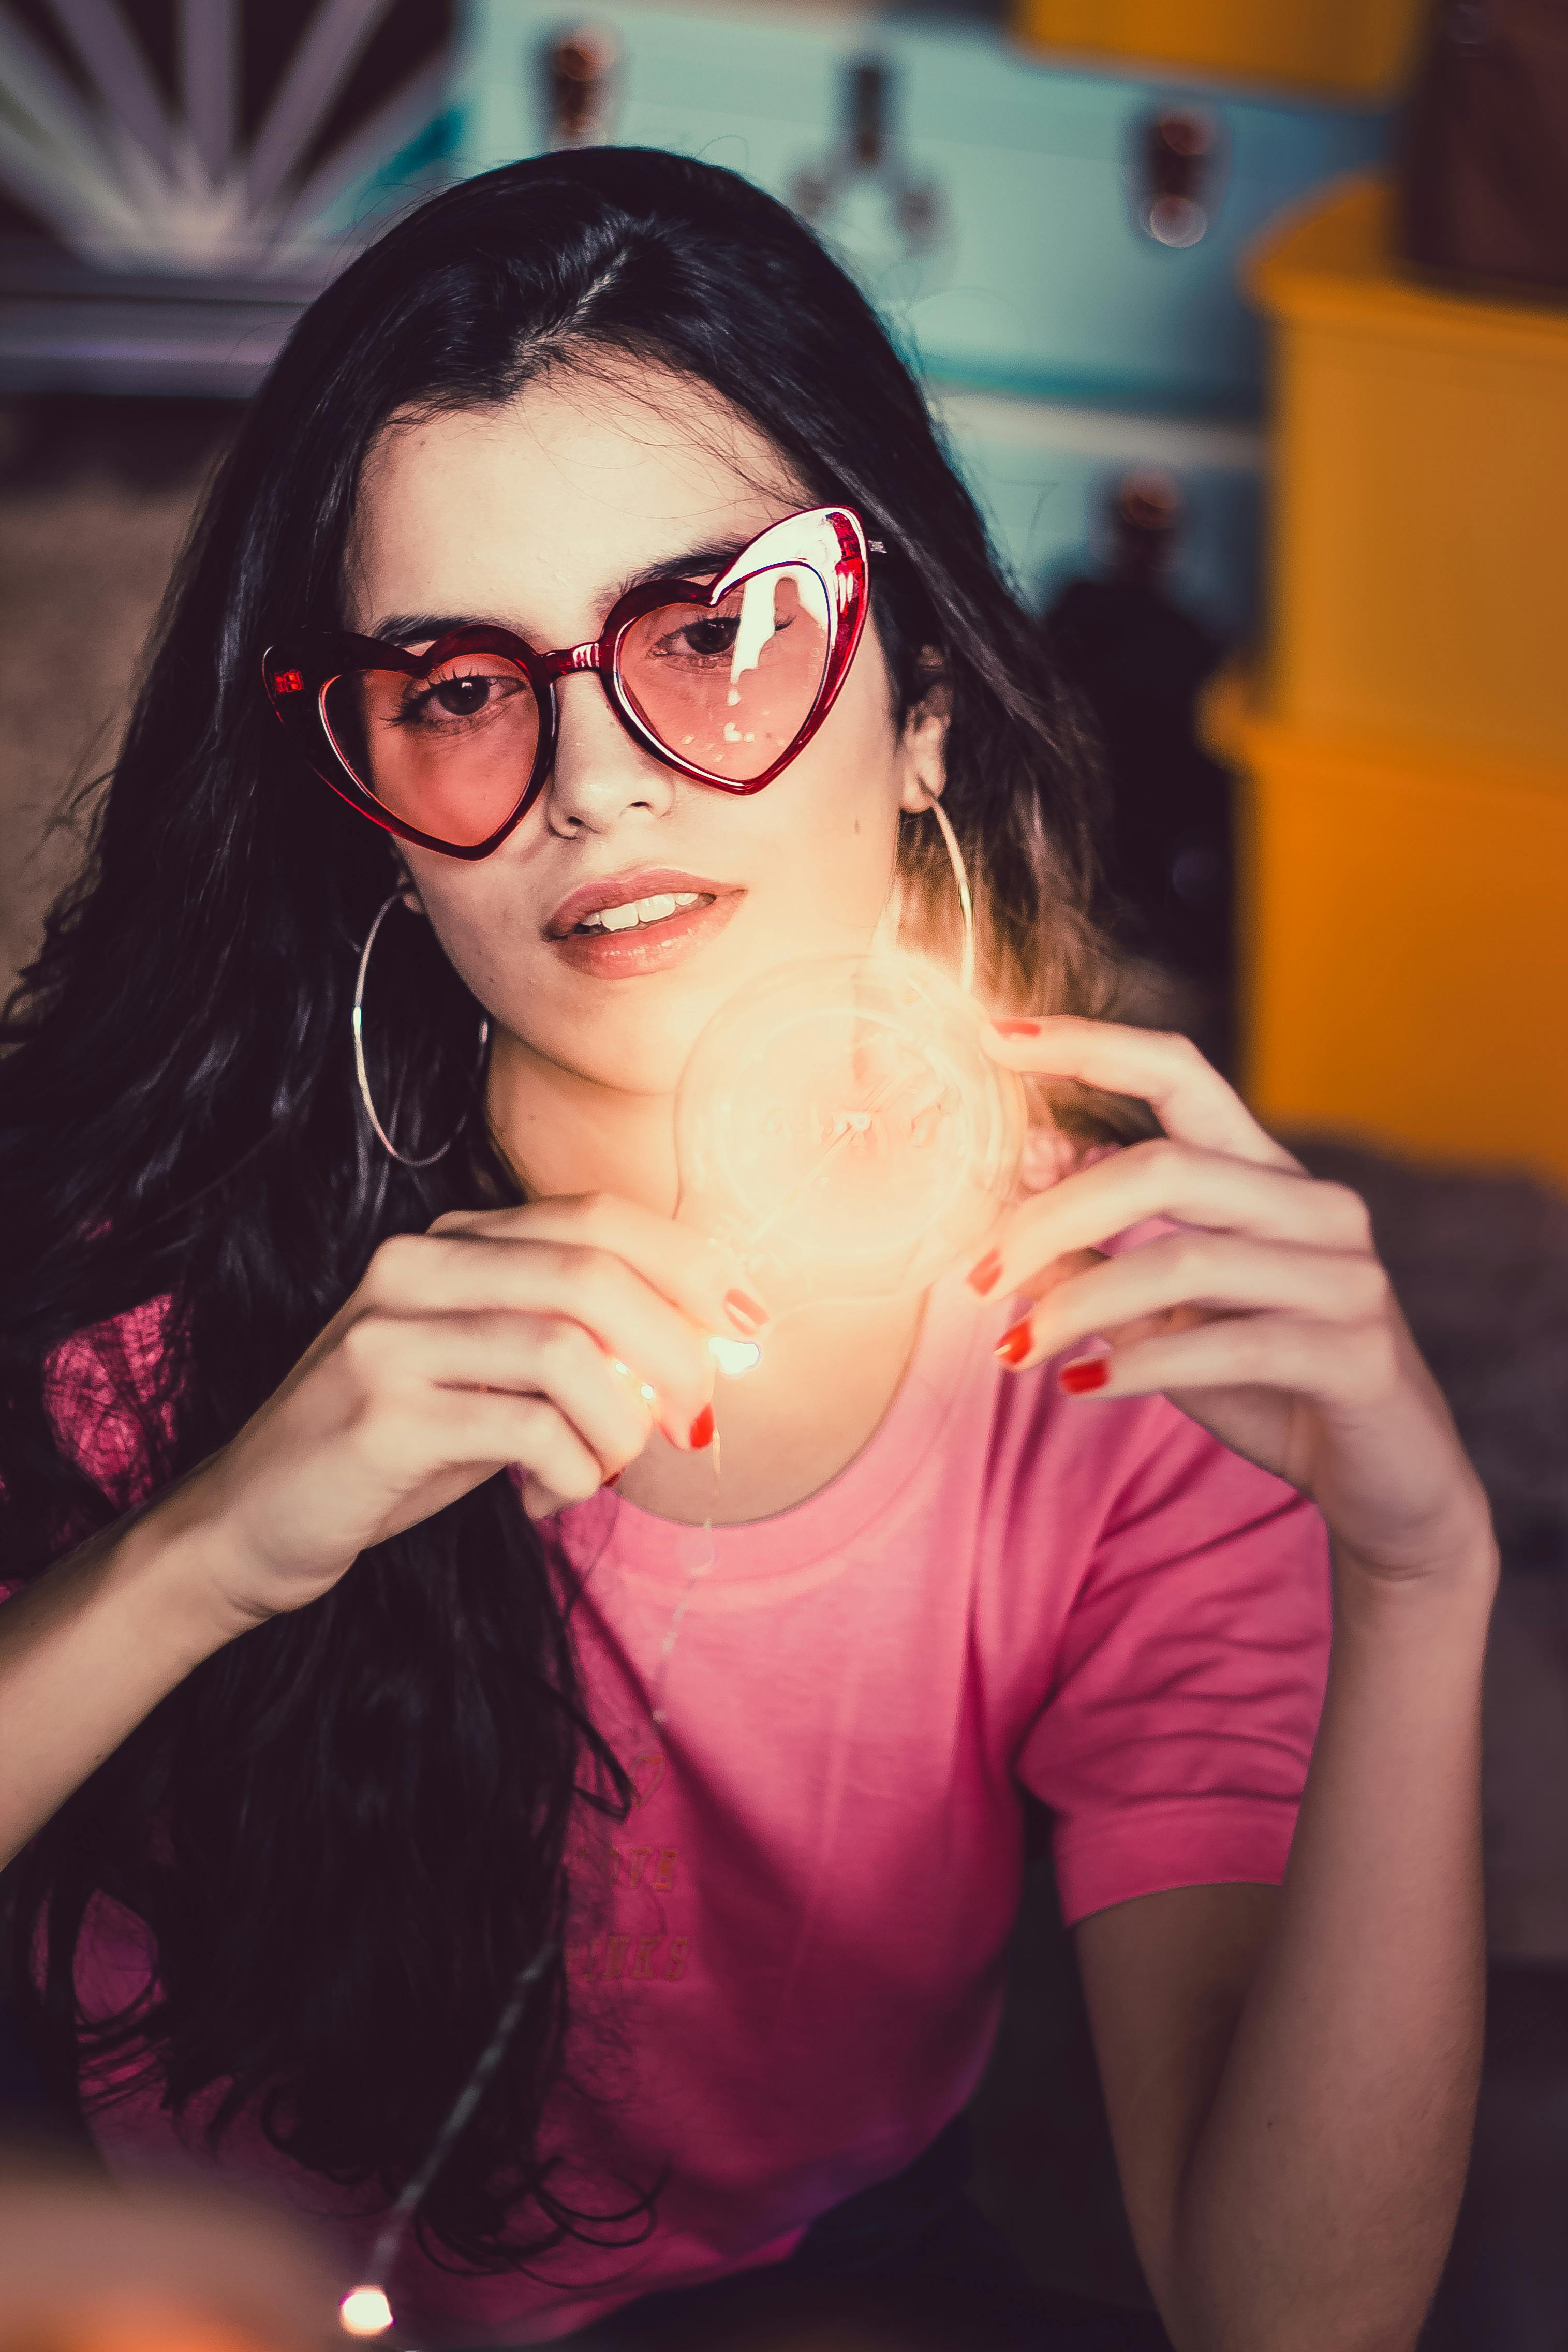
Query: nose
(600, 775)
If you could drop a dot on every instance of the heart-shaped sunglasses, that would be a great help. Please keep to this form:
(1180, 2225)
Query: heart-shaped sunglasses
(725, 682)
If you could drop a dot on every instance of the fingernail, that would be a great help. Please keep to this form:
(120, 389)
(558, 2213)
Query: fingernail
(1015, 1345)
(702, 1430)
(746, 1314)
(1088, 1373)
(982, 1277)
(1016, 1028)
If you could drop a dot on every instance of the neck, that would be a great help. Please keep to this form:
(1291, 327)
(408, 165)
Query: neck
(566, 1134)
(828, 1372)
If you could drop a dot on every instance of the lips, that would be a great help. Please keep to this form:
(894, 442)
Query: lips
(623, 889)
(647, 948)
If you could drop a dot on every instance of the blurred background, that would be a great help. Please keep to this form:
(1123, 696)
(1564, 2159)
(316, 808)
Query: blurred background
(1247, 323)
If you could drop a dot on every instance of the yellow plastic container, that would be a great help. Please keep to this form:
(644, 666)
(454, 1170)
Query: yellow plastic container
(1420, 544)
(1406, 941)
(1362, 47)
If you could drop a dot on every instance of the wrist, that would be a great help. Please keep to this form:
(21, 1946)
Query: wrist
(1454, 1589)
(177, 1563)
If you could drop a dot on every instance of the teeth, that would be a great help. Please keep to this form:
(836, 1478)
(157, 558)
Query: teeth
(639, 910)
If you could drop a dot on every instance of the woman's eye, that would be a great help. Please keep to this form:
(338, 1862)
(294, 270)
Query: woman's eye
(470, 695)
(460, 697)
(709, 639)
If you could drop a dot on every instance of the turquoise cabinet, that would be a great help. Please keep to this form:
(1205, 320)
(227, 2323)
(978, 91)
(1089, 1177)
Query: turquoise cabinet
(1044, 475)
(1038, 276)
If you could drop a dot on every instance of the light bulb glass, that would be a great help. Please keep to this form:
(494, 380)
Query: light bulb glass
(840, 1125)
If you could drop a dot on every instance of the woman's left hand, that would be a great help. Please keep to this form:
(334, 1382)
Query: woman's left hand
(1268, 1317)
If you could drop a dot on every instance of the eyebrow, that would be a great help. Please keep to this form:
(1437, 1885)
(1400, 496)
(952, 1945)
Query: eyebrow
(421, 628)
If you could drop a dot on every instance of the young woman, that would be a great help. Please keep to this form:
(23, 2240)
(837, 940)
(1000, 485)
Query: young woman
(371, 1644)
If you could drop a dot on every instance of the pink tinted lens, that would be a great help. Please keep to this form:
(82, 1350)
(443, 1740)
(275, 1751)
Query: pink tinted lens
(451, 753)
(729, 686)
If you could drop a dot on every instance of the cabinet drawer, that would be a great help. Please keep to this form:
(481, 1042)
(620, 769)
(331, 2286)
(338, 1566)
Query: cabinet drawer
(1362, 45)
(1417, 582)
(1401, 903)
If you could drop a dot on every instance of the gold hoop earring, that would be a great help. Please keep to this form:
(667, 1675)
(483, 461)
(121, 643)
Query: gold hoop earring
(891, 916)
(387, 1145)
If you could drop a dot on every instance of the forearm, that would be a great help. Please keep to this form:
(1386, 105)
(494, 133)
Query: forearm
(1320, 2195)
(87, 1652)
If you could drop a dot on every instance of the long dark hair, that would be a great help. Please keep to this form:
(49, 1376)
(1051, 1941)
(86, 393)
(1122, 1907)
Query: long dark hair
(347, 1831)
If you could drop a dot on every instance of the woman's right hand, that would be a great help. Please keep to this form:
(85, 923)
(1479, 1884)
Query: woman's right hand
(498, 1337)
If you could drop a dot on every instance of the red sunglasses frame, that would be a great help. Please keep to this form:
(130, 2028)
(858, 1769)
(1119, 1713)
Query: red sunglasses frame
(827, 541)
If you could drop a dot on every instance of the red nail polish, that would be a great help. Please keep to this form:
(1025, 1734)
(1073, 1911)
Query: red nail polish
(745, 1314)
(1088, 1373)
(1016, 1028)
(702, 1430)
(1015, 1345)
(982, 1277)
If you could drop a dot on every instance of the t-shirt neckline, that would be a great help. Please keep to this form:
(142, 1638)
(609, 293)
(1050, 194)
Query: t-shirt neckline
(611, 1528)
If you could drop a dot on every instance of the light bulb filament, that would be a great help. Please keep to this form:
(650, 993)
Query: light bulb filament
(851, 1123)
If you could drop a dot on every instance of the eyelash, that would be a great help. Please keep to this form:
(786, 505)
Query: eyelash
(414, 709)
(415, 706)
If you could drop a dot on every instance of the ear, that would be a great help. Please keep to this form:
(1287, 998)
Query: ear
(407, 889)
(923, 740)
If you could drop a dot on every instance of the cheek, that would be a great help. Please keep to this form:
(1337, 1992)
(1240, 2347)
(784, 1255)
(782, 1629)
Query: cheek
(480, 916)
(819, 859)
(847, 782)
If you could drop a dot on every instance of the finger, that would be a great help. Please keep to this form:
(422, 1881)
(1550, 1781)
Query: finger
(703, 1277)
(1226, 1273)
(1187, 1093)
(457, 1429)
(1164, 1179)
(445, 1273)
(1050, 1277)
(1337, 1364)
(542, 1502)
(521, 1355)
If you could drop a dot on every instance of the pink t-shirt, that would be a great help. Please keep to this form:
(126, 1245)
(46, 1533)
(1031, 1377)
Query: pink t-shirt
(787, 1963)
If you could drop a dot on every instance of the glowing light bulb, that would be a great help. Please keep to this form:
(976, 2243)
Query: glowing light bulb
(365, 2311)
(841, 1126)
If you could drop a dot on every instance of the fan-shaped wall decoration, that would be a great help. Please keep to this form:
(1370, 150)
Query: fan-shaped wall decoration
(177, 177)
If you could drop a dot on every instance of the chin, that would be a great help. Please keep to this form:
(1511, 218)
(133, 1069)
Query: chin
(626, 1053)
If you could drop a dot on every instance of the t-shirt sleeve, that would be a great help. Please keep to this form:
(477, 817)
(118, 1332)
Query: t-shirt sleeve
(1173, 1746)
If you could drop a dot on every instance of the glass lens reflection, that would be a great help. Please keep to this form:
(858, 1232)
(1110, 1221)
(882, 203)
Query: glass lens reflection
(729, 686)
(450, 753)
